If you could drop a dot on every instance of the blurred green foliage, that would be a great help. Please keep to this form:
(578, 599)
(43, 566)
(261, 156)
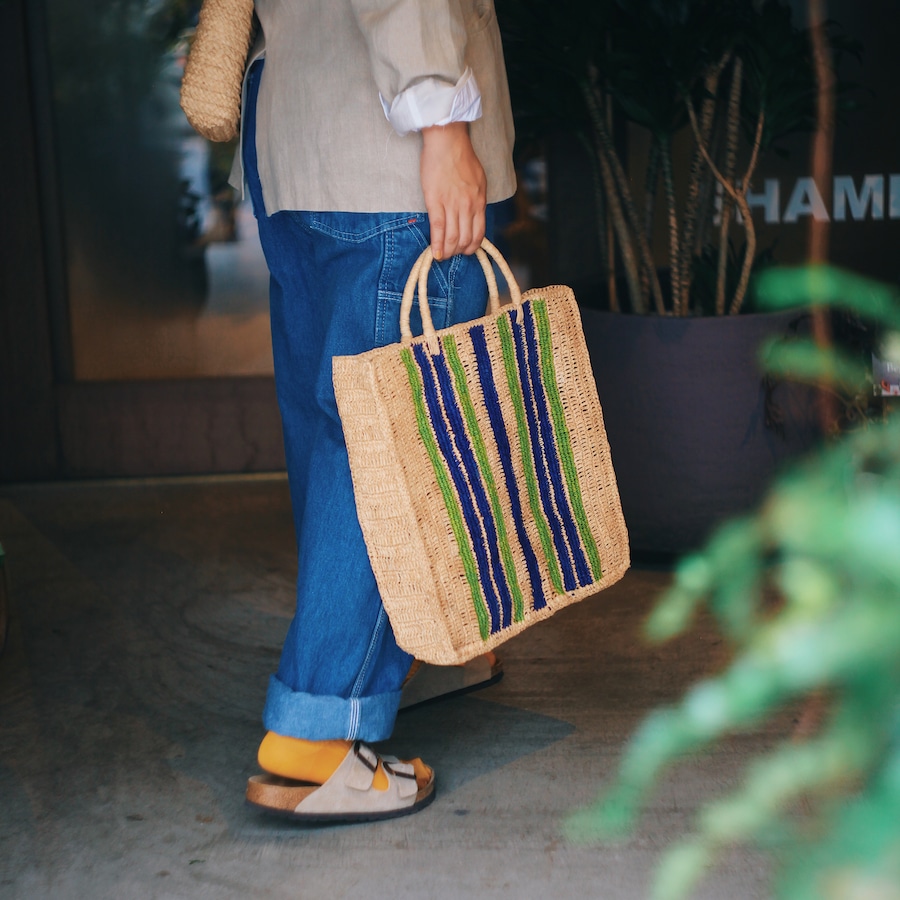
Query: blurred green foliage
(807, 591)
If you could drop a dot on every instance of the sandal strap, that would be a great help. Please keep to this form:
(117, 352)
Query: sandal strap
(350, 788)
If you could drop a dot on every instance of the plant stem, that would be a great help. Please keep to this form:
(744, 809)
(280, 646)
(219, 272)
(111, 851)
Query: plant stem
(822, 151)
(607, 152)
(610, 247)
(707, 192)
(620, 227)
(692, 203)
(652, 179)
(750, 245)
(722, 263)
(732, 131)
(823, 138)
(739, 195)
(605, 239)
(674, 261)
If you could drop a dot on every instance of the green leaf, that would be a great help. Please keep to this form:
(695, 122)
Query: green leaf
(784, 288)
(803, 361)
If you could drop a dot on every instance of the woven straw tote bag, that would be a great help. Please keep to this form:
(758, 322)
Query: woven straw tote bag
(481, 470)
(214, 72)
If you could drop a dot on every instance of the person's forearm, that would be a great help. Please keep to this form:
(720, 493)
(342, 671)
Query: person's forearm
(455, 189)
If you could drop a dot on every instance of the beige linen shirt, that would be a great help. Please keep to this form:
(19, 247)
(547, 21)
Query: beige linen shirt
(323, 140)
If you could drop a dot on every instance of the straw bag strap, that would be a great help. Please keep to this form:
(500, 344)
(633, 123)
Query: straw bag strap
(419, 275)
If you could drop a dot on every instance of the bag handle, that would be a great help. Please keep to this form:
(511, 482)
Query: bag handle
(419, 275)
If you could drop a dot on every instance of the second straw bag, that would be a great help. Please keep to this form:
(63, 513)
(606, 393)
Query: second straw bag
(214, 72)
(482, 473)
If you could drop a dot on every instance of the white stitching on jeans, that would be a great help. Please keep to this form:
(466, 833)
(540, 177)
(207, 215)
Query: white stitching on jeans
(355, 717)
(364, 669)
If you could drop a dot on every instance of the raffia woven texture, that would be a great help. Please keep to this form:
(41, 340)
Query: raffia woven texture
(483, 478)
(214, 73)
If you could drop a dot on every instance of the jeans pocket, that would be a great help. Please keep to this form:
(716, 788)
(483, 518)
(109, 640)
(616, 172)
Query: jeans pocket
(402, 247)
(357, 228)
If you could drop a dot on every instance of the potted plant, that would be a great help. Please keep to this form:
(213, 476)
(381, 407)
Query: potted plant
(675, 102)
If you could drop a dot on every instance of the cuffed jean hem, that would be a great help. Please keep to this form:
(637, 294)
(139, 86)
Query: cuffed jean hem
(317, 718)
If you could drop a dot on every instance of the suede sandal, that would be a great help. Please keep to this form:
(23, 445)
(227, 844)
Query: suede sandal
(427, 683)
(348, 795)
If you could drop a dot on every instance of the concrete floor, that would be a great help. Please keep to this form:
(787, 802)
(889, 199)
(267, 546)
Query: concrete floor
(146, 618)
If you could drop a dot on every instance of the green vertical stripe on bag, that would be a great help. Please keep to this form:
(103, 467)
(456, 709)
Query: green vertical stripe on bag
(453, 511)
(477, 439)
(515, 390)
(563, 439)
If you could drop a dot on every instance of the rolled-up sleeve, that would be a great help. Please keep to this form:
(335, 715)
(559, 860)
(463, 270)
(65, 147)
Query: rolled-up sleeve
(433, 102)
(417, 52)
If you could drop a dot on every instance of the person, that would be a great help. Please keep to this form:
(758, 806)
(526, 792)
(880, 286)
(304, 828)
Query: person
(370, 129)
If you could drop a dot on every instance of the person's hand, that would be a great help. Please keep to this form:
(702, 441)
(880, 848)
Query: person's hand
(455, 189)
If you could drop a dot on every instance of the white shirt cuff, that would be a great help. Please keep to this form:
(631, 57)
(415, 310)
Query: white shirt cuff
(434, 102)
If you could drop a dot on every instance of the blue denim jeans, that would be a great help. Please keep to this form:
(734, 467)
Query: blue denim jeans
(335, 288)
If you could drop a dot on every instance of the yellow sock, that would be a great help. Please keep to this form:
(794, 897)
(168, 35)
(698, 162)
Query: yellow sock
(315, 761)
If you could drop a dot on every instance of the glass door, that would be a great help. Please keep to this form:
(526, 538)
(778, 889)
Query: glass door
(162, 353)
(165, 275)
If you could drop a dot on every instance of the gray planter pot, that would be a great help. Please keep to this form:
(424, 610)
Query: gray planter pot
(696, 432)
